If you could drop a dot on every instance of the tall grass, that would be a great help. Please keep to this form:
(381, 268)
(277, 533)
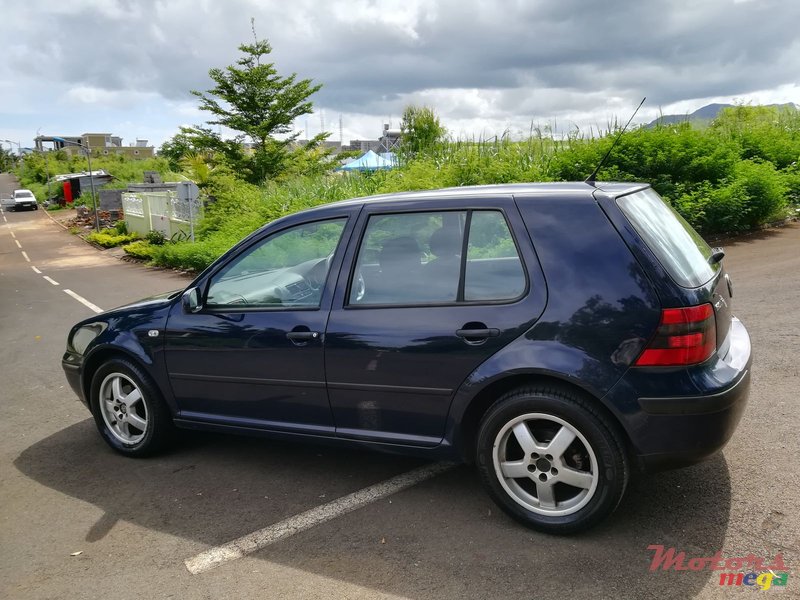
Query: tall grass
(738, 173)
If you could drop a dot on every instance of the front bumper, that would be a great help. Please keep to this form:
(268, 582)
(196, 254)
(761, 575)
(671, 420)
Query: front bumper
(72, 363)
(698, 418)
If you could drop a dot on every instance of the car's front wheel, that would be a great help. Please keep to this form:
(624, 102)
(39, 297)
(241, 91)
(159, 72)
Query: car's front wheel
(551, 460)
(128, 409)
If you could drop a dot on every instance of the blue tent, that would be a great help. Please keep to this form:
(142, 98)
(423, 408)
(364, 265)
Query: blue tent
(390, 156)
(368, 162)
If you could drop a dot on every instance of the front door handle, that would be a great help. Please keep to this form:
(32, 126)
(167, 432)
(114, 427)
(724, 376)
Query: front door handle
(302, 336)
(478, 334)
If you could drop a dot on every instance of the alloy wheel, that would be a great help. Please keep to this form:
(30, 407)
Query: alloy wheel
(545, 464)
(123, 408)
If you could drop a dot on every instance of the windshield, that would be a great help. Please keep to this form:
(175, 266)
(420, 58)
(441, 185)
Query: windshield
(24, 195)
(678, 247)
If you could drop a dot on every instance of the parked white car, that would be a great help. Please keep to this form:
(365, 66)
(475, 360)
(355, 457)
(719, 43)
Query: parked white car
(24, 199)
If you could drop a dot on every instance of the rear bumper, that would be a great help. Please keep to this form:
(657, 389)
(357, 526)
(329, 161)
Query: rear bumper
(690, 429)
(670, 430)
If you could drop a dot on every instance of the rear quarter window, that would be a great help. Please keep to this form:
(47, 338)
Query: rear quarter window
(677, 246)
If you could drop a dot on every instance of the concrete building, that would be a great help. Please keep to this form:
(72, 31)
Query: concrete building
(100, 144)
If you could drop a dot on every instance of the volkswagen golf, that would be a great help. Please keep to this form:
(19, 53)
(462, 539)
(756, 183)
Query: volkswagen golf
(558, 336)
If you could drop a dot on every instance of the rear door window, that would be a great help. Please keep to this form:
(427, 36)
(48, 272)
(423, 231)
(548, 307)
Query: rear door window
(677, 246)
(418, 259)
(494, 270)
(410, 258)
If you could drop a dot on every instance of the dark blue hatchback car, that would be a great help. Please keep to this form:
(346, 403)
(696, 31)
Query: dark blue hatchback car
(556, 335)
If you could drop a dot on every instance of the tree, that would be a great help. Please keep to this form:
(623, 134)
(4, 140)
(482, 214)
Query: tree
(176, 148)
(7, 160)
(421, 128)
(252, 98)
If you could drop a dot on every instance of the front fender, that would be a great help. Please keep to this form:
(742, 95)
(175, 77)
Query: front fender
(139, 336)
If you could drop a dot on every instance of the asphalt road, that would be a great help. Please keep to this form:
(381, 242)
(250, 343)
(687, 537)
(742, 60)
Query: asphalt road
(134, 522)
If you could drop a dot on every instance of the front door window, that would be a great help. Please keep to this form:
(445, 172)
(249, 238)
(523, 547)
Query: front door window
(286, 270)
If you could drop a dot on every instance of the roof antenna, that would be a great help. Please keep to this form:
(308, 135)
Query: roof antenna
(591, 178)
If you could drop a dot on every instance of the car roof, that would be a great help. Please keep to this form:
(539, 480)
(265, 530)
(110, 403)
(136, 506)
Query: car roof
(23, 190)
(560, 188)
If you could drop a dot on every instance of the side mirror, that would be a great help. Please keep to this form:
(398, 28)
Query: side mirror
(192, 301)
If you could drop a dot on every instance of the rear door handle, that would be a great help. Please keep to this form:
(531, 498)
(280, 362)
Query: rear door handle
(302, 336)
(477, 334)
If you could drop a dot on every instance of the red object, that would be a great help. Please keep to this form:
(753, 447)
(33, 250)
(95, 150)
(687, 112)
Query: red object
(685, 336)
(68, 191)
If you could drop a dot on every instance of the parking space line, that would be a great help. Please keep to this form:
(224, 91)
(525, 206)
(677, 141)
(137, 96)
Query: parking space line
(53, 281)
(16, 241)
(35, 270)
(257, 540)
(83, 301)
(25, 254)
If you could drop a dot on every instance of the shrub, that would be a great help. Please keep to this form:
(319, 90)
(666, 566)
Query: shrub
(738, 173)
(156, 238)
(109, 238)
(139, 249)
(192, 256)
(754, 195)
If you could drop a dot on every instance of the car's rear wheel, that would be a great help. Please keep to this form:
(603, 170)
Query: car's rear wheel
(128, 409)
(551, 460)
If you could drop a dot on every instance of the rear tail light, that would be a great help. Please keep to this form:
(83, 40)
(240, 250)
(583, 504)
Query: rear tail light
(685, 336)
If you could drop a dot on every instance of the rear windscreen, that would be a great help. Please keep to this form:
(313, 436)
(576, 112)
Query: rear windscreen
(678, 247)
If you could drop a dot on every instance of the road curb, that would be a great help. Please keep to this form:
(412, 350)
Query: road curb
(59, 223)
(67, 229)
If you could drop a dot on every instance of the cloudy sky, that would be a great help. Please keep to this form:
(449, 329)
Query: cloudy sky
(126, 66)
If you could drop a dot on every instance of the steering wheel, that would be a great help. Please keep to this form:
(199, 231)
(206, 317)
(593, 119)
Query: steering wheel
(316, 276)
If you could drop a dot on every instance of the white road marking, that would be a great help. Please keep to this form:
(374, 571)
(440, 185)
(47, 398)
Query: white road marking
(13, 234)
(257, 540)
(25, 254)
(35, 270)
(83, 301)
(53, 281)
(16, 241)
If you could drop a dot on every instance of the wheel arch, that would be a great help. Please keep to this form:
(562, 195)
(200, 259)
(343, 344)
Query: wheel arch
(469, 423)
(102, 355)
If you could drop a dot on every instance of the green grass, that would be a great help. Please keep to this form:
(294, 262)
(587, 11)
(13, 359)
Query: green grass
(738, 173)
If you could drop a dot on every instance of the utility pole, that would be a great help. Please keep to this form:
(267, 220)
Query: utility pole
(47, 172)
(91, 177)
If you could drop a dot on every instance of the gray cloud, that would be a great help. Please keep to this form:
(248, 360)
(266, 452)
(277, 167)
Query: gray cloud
(529, 59)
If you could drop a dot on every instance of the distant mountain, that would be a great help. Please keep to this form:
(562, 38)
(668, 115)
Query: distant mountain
(702, 116)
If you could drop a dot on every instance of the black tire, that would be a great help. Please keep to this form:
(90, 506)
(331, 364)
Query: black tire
(596, 454)
(159, 430)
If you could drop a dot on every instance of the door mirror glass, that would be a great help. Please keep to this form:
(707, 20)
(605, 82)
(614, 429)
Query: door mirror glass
(192, 302)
